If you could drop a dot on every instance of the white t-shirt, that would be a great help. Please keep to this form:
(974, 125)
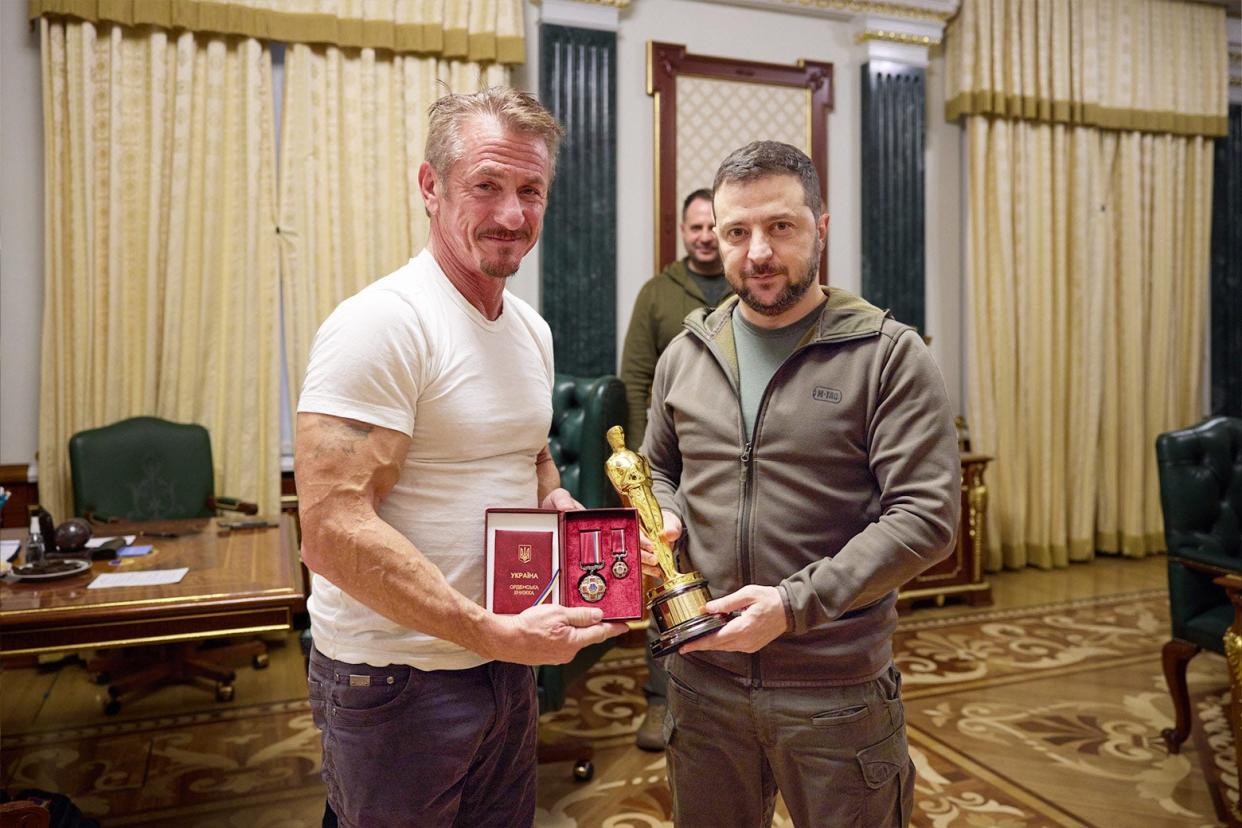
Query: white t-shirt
(409, 353)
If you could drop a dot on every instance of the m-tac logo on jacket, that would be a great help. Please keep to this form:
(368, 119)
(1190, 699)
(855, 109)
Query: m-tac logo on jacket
(823, 394)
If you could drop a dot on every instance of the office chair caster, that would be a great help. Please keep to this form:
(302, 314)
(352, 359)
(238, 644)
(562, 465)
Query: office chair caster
(584, 769)
(111, 706)
(261, 661)
(224, 692)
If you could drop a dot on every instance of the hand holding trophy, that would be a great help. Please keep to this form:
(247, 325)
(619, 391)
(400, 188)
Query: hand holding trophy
(677, 602)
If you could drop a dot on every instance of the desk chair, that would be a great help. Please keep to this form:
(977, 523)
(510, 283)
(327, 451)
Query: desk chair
(145, 469)
(583, 409)
(1201, 497)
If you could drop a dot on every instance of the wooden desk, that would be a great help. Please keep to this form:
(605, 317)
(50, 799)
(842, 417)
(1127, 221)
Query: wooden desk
(240, 582)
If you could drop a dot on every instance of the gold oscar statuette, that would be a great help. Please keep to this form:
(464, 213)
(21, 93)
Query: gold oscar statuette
(676, 604)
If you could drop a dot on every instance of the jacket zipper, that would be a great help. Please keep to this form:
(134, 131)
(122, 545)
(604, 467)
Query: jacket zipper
(748, 463)
(747, 459)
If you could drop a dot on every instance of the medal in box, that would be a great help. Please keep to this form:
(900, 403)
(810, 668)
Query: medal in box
(587, 558)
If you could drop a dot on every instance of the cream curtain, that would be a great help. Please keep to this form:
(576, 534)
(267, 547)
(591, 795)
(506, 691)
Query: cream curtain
(473, 30)
(1088, 234)
(160, 260)
(1155, 65)
(352, 136)
(1087, 274)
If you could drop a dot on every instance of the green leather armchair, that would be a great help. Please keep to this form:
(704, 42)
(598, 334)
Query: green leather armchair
(145, 468)
(582, 412)
(1201, 497)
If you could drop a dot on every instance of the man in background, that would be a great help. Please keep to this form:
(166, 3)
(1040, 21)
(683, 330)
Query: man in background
(804, 441)
(428, 398)
(685, 285)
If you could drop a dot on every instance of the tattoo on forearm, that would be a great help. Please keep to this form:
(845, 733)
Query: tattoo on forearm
(342, 436)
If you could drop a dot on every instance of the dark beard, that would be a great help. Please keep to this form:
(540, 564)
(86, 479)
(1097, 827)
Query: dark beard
(787, 298)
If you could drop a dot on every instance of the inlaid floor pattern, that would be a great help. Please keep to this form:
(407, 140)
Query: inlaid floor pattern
(1037, 715)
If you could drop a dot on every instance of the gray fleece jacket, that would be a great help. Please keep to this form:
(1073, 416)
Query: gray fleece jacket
(850, 487)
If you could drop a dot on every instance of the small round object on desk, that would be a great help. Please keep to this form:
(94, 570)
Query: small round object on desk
(72, 535)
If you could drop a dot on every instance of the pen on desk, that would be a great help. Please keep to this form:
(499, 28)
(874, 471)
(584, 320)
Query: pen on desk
(160, 534)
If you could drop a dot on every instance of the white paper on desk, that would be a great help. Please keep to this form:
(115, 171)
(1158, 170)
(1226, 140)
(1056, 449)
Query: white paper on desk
(148, 577)
(94, 542)
(8, 548)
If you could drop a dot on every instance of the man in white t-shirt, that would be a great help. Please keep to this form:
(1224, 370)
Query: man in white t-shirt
(428, 399)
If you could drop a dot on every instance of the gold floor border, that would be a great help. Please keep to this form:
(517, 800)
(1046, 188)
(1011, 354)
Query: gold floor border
(967, 616)
(53, 735)
(911, 692)
(167, 816)
(1027, 797)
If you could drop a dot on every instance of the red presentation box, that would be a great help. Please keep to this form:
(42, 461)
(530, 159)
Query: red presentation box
(588, 558)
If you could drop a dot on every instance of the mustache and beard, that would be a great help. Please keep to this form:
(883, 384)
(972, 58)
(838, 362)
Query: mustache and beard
(502, 268)
(793, 290)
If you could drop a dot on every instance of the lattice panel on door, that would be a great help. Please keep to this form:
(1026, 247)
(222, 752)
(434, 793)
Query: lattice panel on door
(715, 117)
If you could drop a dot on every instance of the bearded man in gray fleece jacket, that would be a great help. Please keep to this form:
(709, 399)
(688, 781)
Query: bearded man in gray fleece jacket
(802, 440)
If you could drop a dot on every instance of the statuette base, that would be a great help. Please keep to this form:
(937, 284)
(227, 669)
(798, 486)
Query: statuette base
(677, 607)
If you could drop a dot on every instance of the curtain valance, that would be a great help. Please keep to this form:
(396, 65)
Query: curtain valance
(475, 30)
(1148, 65)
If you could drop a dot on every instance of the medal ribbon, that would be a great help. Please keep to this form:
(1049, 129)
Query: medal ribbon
(590, 543)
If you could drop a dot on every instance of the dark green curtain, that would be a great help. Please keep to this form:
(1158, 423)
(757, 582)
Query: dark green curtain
(578, 281)
(893, 138)
(1227, 270)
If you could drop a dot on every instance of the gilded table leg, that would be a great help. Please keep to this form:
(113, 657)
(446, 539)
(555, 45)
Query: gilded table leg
(1233, 652)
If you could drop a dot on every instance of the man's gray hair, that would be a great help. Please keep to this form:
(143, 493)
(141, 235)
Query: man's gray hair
(760, 159)
(520, 111)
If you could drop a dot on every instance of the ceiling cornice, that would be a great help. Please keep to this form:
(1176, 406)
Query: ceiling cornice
(932, 10)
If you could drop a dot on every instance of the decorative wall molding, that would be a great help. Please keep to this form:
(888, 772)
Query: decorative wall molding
(670, 63)
(602, 15)
(899, 40)
(897, 37)
(933, 10)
